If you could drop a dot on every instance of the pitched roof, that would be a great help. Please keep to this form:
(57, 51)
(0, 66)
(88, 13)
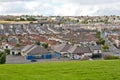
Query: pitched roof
(71, 49)
(65, 48)
(17, 48)
(95, 47)
(11, 44)
(62, 47)
(81, 49)
(37, 50)
(26, 48)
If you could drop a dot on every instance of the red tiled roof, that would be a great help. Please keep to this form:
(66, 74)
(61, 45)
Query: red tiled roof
(51, 42)
(4, 43)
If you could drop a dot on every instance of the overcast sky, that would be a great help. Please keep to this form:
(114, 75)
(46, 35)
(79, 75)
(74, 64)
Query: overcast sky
(60, 7)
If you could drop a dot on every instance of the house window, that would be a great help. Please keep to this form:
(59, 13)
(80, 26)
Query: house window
(98, 51)
(6, 47)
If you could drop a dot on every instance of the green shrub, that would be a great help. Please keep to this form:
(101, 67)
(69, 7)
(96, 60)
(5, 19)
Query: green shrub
(7, 51)
(108, 57)
(45, 45)
(2, 58)
(38, 43)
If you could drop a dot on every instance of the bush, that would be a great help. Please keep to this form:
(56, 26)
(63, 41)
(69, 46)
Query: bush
(109, 57)
(96, 55)
(38, 43)
(18, 45)
(45, 45)
(7, 51)
(105, 47)
(2, 58)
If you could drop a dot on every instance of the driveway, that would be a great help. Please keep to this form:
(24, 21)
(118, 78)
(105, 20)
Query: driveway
(16, 59)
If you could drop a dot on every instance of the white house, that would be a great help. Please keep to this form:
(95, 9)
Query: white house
(15, 51)
(6, 46)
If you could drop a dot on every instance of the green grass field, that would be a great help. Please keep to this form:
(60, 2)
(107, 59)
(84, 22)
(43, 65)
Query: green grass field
(73, 70)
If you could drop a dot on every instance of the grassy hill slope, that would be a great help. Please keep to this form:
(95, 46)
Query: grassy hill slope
(73, 70)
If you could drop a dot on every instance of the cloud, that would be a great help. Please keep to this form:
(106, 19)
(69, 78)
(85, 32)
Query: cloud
(69, 10)
(92, 7)
(60, 7)
(88, 2)
(13, 0)
(25, 7)
(12, 8)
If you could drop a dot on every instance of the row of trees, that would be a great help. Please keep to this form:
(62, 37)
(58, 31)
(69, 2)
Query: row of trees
(22, 19)
(91, 20)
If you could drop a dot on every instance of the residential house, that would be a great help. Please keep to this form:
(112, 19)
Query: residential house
(73, 52)
(62, 49)
(25, 49)
(80, 51)
(7, 45)
(16, 51)
(96, 49)
(33, 50)
(13, 39)
(37, 50)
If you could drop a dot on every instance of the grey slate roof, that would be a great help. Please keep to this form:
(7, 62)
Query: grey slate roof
(37, 50)
(26, 48)
(80, 49)
(17, 48)
(65, 48)
(95, 47)
(62, 47)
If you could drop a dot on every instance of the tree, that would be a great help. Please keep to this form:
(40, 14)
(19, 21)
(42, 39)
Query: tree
(84, 22)
(8, 19)
(98, 34)
(105, 47)
(18, 45)
(22, 19)
(106, 20)
(37, 43)
(2, 57)
(7, 51)
(31, 19)
(1, 40)
(45, 45)
(31, 22)
(19, 40)
(101, 41)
